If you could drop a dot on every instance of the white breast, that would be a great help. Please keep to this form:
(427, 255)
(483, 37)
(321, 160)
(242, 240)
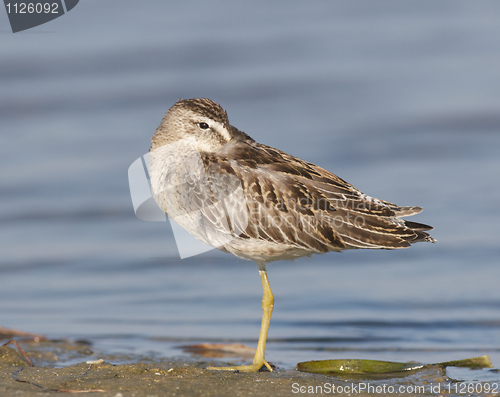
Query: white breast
(178, 179)
(183, 190)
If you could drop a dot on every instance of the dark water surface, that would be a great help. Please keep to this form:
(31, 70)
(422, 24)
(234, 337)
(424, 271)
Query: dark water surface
(400, 99)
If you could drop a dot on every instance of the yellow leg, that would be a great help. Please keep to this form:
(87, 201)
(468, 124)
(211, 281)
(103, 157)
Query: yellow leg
(267, 311)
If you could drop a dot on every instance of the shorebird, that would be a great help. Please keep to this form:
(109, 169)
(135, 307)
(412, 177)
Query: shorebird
(260, 203)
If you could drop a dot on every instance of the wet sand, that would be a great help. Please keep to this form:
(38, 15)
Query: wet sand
(63, 368)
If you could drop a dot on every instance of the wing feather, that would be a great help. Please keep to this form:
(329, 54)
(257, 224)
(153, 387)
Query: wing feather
(293, 202)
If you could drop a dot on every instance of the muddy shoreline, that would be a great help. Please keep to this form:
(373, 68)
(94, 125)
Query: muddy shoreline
(69, 368)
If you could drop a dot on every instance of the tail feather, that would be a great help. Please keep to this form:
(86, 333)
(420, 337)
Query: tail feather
(419, 230)
(417, 226)
(407, 211)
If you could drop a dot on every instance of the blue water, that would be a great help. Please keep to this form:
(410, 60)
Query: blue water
(400, 99)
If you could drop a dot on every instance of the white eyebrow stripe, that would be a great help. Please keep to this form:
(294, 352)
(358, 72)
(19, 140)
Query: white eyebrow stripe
(225, 133)
(216, 126)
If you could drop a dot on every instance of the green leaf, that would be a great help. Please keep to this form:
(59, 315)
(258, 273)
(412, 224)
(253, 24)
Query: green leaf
(373, 367)
(355, 366)
(474, 362)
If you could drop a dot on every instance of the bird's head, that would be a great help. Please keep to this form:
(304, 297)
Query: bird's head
(199, 121)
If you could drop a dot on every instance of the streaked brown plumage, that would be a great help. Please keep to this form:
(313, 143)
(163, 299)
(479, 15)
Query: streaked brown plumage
(319, 195)
(287, 207)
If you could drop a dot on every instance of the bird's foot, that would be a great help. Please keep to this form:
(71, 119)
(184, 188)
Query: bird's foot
(255, 367)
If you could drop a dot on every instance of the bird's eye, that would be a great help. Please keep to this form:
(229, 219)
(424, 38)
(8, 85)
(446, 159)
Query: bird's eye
(203, 126)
